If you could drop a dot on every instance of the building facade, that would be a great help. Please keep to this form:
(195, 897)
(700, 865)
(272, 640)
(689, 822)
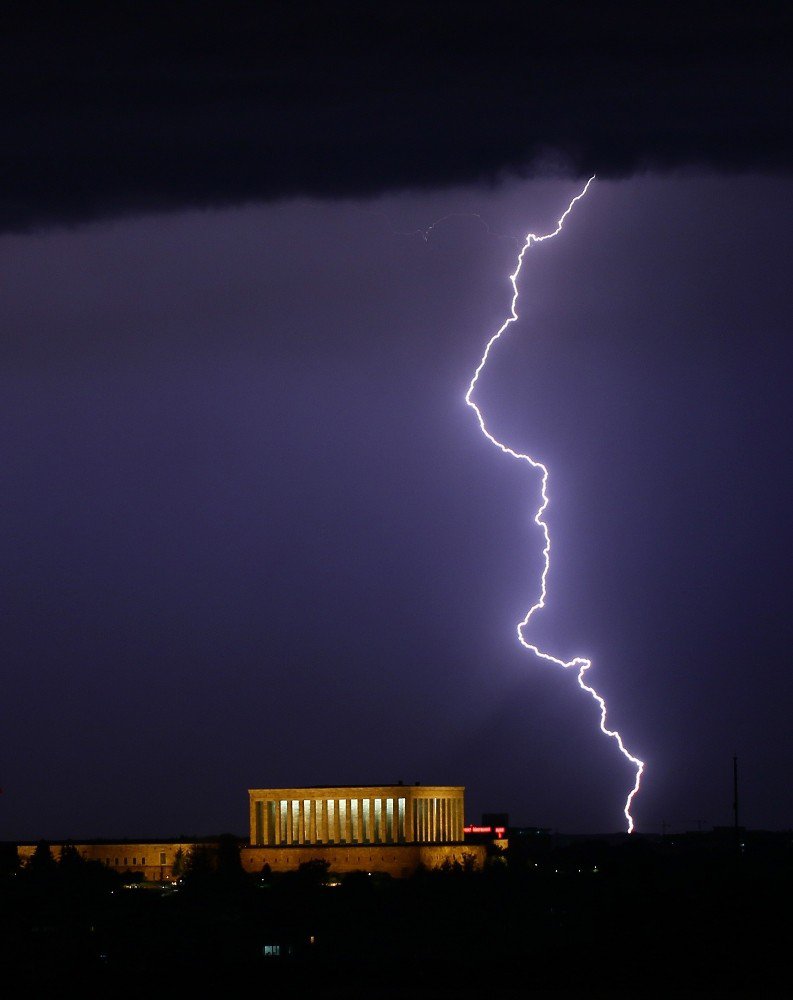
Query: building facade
(356, 814)
(153, 860)
(383, 828)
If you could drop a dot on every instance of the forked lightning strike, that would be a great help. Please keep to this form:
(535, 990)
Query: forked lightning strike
(580, 662)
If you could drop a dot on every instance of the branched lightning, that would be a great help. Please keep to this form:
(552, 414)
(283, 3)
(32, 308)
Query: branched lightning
(426, 233)
(428, 230)
(579, 662)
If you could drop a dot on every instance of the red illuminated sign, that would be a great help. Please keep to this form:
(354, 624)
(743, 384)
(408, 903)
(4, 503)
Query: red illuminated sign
(499, 831)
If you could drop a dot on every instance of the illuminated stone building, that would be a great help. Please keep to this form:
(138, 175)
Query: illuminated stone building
(356, 814)
(153, 860)
(385, 828)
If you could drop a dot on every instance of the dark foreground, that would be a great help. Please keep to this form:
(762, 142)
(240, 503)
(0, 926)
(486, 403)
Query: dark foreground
(637, 919)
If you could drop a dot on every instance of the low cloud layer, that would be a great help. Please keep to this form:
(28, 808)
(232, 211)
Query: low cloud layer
(136, 109)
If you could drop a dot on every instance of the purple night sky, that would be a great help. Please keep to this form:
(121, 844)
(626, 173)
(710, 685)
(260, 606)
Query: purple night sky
(253, 537)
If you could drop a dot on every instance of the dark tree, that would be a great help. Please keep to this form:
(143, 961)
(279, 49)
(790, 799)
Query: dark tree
(42, 861)
(179, 862)
(229, 864)
(314, 872)
(70, 860)
(200, 862)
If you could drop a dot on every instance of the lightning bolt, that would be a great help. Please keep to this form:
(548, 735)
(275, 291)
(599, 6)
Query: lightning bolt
(581, 663)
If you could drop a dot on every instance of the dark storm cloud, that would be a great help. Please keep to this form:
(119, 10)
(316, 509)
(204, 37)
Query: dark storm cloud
(128, 108)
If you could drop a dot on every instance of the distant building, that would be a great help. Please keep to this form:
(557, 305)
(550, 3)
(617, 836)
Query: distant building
(383, 828)
(153, 860)
(372, 828)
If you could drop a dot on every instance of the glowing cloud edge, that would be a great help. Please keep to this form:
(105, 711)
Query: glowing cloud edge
(580, 662)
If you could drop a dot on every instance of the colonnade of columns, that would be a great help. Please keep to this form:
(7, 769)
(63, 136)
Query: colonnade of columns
(437, 820)
(287, 817)
(329, 821)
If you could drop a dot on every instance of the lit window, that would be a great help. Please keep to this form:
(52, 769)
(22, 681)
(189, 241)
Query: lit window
(354, 820)
(366, 825)
(270, 950)
(271, 823)
(332, 821)
(295, 839)
(378, 817)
